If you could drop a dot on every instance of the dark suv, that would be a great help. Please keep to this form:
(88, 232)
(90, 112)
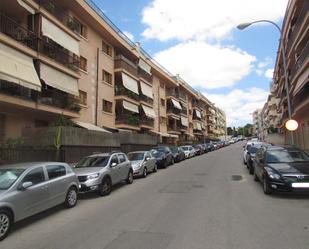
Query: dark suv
(164, 156)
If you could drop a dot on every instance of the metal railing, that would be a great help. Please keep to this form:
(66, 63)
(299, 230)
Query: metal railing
(45, 46)
(127, 119)
(146, 121)
(120, 90)
(146, 99)
(122, 63)
(61, 15)
(304, 54)
(172, 92)
(144, 75)
(173, 110)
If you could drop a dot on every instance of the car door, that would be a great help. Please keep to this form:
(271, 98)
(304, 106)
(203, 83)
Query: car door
(34, 199)
(123, 166)
(115, 170)
(259, 163)
(149, 160)
(58, 182)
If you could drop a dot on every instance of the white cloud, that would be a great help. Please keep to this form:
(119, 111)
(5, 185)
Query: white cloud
(205, 19)
(265, 63)
(269, 73)
(205, 65)
(129, 35)
(239, 104)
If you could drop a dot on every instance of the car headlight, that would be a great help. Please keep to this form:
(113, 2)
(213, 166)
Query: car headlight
(93, 176)
(272, 174)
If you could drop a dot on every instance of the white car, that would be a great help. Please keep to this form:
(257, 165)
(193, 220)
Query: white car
(189, 151)
(249, 143)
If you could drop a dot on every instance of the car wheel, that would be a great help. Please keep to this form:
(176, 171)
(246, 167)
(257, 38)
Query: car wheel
(5, 223)
(106, 187)
(145, 172)
(71, 198)
(129, 179)
(266, 187)
(172, 161)
(164, 164)
(251, 169)
(155, 168)
(244, 162)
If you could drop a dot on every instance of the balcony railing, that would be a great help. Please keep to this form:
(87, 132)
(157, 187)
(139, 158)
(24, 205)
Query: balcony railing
(173, 110)
(172, 92)
(301, 59)
(146, 99)
(183, 96)
(120, 90)
(144, 75)
(144, 120)
(173, 128)
(123, 63)
(127, 119)
(298, 24)
(184, 111)
(45, 46)
(61, 15)
(53, 98)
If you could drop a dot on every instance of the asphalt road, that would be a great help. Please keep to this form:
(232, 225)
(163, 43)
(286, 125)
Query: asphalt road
(191, 205)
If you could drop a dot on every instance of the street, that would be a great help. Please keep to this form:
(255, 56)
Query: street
(196, 204)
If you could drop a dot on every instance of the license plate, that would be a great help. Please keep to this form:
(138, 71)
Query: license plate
(300, 185)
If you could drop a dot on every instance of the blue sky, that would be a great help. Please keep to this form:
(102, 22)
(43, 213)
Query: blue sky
(198, 40)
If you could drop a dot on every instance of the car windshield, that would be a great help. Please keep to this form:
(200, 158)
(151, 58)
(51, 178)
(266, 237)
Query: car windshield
(97, 161)
(253, 149)
(161, 149)
(174, 149)
(137, 156)
(285, 156)
(185, 148)
(155, 153)
(8, 177)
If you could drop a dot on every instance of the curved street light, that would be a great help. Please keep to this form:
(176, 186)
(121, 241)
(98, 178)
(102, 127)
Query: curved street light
(242, 26)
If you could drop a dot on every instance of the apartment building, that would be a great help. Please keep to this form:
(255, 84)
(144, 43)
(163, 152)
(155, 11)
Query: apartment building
(67, 58)
(257, 123)
(295, 39)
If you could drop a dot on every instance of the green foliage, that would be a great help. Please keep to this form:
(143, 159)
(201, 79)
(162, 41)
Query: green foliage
(12, 143)
(57, 139)
(62, 121)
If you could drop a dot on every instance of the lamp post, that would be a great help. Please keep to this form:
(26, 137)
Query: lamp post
(283, 52)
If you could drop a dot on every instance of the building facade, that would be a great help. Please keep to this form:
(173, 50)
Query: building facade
(257, 123)
(67, 58)
(295, 39)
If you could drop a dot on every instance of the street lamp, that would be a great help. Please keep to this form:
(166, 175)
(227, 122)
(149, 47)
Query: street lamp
(283, 52)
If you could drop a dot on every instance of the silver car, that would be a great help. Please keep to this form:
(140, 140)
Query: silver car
(99, 172)
(30, 188)
(189, 151)
(142, 162)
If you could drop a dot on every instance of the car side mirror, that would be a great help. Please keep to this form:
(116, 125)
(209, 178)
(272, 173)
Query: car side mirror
(147, 158)
(25, 185)
(114, 164)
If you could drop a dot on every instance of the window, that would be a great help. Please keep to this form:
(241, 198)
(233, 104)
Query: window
(114, 159)
(35, 176)
(55, 171)
(106, 77)
(83, 63)
(78, 27)
(161, 84)
(82, 97)
(107, 106)
(107, 49)
(121, 158)
(162, 102)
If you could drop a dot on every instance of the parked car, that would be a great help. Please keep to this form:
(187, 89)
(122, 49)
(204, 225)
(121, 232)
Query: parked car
(251, 151)
(142, 163)
(246, 148)
(99, 172)
(210, 147)
(282, 168)
(198, 149)
(30, 188)
(178, 153)
(189, 151)
(165, 157)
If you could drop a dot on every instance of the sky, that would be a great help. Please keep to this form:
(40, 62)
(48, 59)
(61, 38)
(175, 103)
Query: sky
(198, 40)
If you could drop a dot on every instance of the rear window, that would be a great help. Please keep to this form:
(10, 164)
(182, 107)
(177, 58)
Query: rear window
(100, 161)
(136, 156)
(285, 156)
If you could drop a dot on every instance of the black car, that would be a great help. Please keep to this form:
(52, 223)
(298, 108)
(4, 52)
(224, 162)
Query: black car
(198, 149)
(178, 153)
(163, 155)
(282, 168)
(251, 151)
(210, 147)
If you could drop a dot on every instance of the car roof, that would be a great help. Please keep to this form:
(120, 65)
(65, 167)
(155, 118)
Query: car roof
(139, 151)
(282, 147)
(27, 165)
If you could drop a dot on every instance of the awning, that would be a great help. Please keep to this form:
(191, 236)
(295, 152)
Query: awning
(129, 83)
(90, 127)
(149, 111)
(301, 82)
(146, 90)
(176, 104)
(18, 68)
(143, 65)
(130, 107)
(197, 126)
(26, 6)
(56, 34)
(184, 121)
(168, 135)
(198, 114)
(59, 80)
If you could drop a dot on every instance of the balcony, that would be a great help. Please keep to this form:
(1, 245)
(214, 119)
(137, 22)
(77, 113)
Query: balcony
(183, 96)
(120, 90)
(300, 61)
(44, 46)
(54, 98)
(173, 110)
(170, 92)
(146, 121)
(122, 62)
(142, 74)
(127, 119)
(184, 111)
(146, 99)
(61, 15)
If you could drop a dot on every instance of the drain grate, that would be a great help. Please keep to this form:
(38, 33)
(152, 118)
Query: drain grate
(237, 177)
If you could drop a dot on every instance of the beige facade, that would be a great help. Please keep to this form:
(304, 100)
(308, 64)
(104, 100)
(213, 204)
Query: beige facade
(70, 60)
